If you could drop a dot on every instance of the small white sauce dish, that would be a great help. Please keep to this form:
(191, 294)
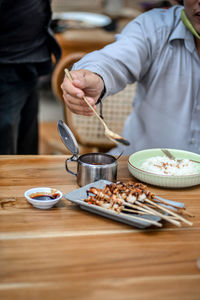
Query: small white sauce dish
(43, 197)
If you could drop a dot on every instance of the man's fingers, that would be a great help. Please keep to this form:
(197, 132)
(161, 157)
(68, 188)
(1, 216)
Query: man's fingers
(83, 83)
(77, 105)
(69, 86)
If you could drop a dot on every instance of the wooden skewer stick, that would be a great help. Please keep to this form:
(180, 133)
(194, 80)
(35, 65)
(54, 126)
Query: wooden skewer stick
(132, 211)
(181, 209)
(170, 212)
(138, 212)
(139, 208)
(186, 213)
(143, 219)
(174, 222)
(167, 203)
(152, 211)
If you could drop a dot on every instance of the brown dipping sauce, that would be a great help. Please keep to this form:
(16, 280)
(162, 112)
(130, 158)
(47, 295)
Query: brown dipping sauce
(44, 196)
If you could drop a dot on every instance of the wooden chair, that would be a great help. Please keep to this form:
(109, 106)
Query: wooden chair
(88, 131)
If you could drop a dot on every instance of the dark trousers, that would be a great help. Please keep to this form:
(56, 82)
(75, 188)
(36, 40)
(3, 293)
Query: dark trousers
(18, 114)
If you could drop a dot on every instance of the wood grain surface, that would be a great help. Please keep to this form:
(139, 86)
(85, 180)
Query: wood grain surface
(67, 253)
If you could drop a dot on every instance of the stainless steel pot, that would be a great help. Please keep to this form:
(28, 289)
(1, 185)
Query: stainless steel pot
(90, 166)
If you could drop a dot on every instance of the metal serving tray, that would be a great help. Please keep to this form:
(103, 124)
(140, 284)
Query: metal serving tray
(77, 197)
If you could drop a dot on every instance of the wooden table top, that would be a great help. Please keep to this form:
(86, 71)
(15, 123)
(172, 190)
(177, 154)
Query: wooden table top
(67, 253)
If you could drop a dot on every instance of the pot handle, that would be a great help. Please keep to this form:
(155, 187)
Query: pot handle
(73, 158)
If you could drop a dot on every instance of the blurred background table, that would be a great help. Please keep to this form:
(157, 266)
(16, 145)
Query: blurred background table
(83, 40)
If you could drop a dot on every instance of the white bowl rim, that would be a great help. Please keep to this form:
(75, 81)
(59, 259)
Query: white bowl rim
(32, 190)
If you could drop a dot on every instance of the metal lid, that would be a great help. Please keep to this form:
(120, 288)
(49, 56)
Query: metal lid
(68, 138)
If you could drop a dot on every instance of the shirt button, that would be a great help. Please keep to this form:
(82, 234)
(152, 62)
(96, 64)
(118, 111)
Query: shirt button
(192, 141)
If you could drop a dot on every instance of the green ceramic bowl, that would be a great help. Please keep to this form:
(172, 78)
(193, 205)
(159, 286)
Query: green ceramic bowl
(136, 160)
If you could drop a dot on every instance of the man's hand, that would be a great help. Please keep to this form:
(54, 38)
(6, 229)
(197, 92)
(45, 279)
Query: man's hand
(85, 83)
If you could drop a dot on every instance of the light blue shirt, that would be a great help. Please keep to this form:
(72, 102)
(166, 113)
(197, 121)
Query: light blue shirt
(158, 52)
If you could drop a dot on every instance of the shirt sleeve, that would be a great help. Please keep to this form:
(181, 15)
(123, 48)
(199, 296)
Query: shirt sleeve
(127, 59)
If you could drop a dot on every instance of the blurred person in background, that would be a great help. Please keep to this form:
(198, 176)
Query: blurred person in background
(26, 48)
(160, 50)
